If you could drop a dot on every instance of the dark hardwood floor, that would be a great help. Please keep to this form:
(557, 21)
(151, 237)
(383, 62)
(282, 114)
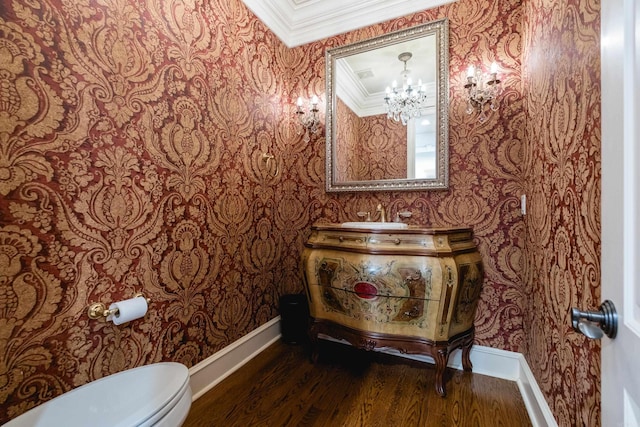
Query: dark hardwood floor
(349, 387)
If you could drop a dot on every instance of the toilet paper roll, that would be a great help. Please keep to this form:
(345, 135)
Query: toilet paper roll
(129, 309)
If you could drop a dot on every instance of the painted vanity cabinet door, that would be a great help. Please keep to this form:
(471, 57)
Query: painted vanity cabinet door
(380, 293)
(415, 290)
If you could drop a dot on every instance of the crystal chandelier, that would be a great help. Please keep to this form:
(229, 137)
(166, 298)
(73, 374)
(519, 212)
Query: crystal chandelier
(482, 89)
(403, 104)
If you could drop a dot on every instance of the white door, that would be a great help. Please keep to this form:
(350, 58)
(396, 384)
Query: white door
(621, 209)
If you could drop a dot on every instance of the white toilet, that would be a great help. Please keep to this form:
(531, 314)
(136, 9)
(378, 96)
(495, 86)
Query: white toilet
(151, 395)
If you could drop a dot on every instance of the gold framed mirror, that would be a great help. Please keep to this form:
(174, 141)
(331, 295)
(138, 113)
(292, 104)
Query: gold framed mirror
(369, 149)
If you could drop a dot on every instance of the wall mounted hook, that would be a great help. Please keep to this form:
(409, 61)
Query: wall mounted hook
(270, 160)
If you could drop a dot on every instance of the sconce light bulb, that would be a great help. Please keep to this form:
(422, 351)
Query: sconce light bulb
(314, 100)
(471, 71)
(494, 67)
(299, 103)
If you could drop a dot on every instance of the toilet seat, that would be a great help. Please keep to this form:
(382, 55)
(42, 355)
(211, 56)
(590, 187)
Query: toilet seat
(177, 414)
(162, 417)
(168, 384)
(144, 396)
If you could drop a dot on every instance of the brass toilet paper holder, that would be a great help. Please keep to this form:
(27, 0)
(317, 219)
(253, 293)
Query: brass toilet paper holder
(98, 310)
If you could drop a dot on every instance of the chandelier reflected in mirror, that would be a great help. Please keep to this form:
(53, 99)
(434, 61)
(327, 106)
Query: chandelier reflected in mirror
(409, 101)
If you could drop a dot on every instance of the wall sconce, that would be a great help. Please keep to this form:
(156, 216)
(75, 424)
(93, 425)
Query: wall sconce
(309, 121)
(482, 89)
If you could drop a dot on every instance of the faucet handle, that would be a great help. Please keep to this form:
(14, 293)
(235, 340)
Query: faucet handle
(365, 215)
(402, 214)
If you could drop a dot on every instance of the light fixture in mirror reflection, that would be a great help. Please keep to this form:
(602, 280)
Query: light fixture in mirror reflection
(367, 151)
(410, 101)
(483, 90)
(309, 122)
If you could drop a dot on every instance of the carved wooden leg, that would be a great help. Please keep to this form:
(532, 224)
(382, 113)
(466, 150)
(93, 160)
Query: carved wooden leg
(441, 356)
(466, 353)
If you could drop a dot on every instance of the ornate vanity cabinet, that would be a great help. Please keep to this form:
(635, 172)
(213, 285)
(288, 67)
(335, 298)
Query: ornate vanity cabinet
(414, 290)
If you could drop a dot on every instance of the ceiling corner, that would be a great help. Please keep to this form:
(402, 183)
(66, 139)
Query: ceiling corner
(298, 22)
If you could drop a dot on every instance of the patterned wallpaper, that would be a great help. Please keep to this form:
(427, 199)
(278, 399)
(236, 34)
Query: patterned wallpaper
(131, 135)
(347, 162)
(381, 155)
(561, 76)
(367, 147)
(131, 142)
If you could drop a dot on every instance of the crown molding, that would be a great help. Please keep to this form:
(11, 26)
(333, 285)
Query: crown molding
(355, 96)
(298, 22)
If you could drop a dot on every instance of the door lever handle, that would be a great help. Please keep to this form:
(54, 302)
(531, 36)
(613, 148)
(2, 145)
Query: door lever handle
(594, 324)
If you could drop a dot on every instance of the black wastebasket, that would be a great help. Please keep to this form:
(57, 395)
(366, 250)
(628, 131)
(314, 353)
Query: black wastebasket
(294, 318)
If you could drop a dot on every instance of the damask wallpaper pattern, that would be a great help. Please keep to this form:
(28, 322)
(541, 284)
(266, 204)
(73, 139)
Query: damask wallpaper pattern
(379, 157)
(131, 139)
(562, 173)
(130, 135)
(348, 150)
(366, 148)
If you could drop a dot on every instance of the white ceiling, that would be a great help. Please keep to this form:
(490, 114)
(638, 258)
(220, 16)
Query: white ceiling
(362, 79)
(297, 22)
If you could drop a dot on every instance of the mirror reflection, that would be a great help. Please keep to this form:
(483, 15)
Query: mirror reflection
(386, 116)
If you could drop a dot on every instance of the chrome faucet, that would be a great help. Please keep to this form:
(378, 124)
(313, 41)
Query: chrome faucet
(383, 212)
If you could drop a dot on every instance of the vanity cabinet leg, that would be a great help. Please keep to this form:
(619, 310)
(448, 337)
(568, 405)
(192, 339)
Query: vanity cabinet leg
(466, 345)
(441, 357)
(466, 357)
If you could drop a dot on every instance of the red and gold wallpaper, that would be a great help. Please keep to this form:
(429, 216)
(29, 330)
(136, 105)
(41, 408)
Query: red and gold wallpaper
(131, 135)
(381, 154)
(562, 171)
(131, 143)
(367, 147)
(347, 161)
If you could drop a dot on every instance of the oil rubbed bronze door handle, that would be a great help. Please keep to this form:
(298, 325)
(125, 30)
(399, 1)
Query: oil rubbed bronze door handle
(594, 324)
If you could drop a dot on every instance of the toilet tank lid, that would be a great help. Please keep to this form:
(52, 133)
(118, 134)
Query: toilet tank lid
(127, 398)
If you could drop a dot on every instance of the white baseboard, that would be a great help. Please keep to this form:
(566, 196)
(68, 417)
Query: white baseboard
(512, 366)
(488, 361)
(537, 406)
(208, 373)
